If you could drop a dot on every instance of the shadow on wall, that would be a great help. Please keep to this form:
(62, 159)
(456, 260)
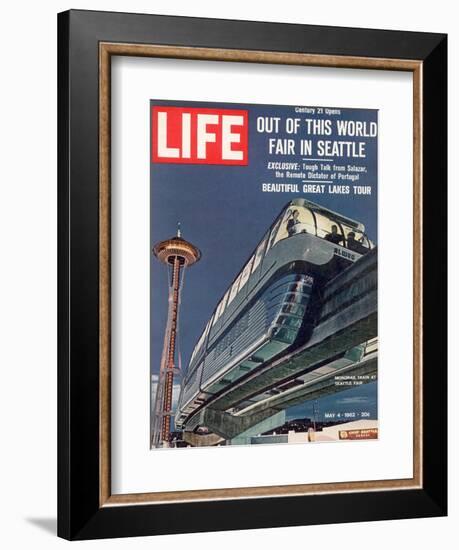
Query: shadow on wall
(45, 524)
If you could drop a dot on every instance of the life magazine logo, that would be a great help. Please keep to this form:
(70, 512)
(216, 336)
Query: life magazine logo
(189, 135)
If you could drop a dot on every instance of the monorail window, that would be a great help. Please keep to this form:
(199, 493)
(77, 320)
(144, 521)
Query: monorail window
(208, 326)
(294, 309)
(220, 308)
(356, 240)
(194, 352)
(259, 254)
(225, 301)
(285, 335)
(272, 237)
(246, 272)
(329, 229)
(201, 339)
(301, 219)
(287, 320)
(234, 289)
(296, 297)
(297, 219)
(298, 286)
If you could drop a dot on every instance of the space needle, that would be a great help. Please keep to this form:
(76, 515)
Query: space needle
(177, 254)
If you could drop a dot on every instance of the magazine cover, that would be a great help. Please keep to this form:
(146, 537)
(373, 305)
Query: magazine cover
(263, 287)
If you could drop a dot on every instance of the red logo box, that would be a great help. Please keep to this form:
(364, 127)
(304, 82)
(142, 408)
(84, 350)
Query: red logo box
(189, 135)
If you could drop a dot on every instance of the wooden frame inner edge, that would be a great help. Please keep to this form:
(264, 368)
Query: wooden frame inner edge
(106, 50)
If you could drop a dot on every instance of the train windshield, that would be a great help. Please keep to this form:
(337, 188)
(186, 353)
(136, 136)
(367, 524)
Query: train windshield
(300, 219)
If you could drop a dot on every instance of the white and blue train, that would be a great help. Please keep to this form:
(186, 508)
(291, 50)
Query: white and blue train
(271, 306)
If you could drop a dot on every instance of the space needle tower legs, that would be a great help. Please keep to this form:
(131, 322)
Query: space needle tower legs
(177, 254)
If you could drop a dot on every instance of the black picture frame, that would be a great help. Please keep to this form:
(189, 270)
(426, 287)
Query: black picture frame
(80, 513)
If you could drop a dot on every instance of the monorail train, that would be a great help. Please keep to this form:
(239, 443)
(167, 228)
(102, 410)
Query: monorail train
(272, 304)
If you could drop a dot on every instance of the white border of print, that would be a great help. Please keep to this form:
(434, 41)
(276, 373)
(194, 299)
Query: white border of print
(136, 469)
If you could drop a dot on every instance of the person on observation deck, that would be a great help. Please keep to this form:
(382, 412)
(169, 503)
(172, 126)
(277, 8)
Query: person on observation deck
(334, 237)
(292, 222)
(355, 245)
